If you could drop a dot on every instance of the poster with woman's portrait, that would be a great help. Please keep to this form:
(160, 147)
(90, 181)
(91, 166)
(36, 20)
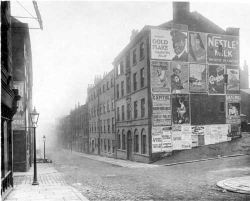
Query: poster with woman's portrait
(180, 109)
(179, 77)
(233, 85)
(197, 47)
(197, 78)
(216, 79)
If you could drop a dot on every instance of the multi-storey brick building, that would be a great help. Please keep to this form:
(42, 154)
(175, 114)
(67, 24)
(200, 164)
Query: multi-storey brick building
(102, 115)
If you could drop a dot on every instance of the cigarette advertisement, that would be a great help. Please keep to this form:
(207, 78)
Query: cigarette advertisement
(169, 45)
(161, 110)
(197, 47)
(222, 49)
(160, 76)
(197, 78)
(179, 77)
(216, 79)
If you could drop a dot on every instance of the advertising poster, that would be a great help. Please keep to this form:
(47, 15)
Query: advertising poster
(222, 49)
(233, 109)
(180, 109)
(156, 139)
(233, 86)
(207, 135)
(176, 138)
(161, 110)
(186, 137)
(201, 140)
(19, 118)
(194, 140)
(197, 47)
(216, 79)
(197, 78)
(179, 77)
(198, 130)
(160, 76)
(166, 139)
(169, 45)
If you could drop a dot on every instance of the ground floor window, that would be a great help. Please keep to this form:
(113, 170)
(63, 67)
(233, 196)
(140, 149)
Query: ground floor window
(144, 142)
(136, 141)
(123, 140)
(118, 140)
(113, 145)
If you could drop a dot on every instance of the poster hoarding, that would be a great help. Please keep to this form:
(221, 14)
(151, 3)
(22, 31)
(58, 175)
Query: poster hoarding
(216, 79)
(160, 76)
(180, 109)
(166, 139)
(186, 137)
(197, 78)
(156, 139)
(233, 109)
(161, 110)
(197, 47)
(222, 49)
(179, 77)
(169, 45)
(176, 137)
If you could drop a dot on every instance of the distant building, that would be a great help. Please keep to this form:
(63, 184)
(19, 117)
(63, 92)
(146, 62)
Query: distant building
(244, 77)
(101, 107)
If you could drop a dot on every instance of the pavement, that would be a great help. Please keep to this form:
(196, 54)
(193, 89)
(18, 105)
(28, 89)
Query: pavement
(236, 184)
(52, 186)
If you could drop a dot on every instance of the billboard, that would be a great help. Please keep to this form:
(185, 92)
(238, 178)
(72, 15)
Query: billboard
(233, 109)
(180, 109)
(19, 118)
(216, 79)
(179, 77)
(160, 76)
(197, 47)
(197, 78)
(161, 110)
(233, 85)
(222, 49)
(169, 45)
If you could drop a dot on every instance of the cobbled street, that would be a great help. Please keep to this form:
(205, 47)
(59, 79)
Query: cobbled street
(193, 181)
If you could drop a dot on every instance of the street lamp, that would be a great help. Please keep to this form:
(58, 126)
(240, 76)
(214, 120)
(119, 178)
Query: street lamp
(34, 119)
(44, 140)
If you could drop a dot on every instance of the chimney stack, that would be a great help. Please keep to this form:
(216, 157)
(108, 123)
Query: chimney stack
(180, 9)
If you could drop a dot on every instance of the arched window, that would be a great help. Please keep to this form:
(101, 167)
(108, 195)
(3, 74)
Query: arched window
(136, 141)
(143, 142)
(123, 140)
(118, 140)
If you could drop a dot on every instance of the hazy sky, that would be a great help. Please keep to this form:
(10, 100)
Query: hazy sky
(81, 39)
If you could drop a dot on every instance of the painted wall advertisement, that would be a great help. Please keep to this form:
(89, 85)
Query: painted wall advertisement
(197, 47)
(19, 118)
(169, 45)
(216, 79)
(160, 76)
(179, 77)
(233, 86)
(180, 109)
(222, 49)
(161, 110)
(233, 109)
(197, 78)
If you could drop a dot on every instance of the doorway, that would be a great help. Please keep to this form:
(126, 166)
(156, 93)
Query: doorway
(129, 146)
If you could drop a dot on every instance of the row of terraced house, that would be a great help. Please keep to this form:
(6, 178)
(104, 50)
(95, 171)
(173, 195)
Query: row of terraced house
(141, 111)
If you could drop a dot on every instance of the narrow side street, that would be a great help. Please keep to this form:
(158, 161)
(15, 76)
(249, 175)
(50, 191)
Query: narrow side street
(194, 181)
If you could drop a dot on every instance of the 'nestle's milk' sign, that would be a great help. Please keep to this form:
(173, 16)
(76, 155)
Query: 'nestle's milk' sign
(222, 49)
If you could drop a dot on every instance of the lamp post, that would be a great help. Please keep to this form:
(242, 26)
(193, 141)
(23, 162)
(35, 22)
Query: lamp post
(34, 119)
(44, 140)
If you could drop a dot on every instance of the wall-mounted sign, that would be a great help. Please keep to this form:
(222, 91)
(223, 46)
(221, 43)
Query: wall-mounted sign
(160, 76)
(233, 85)
(179, 77)
(169, 45)
(216, 79)
(180, 109)
(197, 78)
(197, 47)
(222, 49)
(161, 110)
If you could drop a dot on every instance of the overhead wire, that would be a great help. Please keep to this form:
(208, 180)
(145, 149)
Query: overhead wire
(27, 10)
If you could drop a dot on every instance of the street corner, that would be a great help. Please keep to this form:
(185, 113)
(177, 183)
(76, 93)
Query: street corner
(236, 184)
